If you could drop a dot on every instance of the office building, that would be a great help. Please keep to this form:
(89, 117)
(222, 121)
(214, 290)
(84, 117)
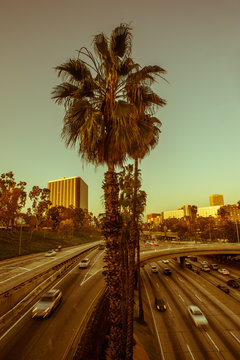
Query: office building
(216, 199)
(69, 191)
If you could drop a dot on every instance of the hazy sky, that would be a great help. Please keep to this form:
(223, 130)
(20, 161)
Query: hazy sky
(197, 42)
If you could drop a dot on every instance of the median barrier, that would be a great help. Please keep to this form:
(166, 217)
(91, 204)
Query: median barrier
(13, 301)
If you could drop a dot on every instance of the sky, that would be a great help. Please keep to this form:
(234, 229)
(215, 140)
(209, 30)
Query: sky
(196, 42)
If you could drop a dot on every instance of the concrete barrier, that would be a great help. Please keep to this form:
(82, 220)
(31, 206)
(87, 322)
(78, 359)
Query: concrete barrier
(13, 301)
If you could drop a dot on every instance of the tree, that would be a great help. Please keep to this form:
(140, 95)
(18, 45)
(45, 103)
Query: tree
(99, 119)
(40, 203)
(12, 198)
(145, 101)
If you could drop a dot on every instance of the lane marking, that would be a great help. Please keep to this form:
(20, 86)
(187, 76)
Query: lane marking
(212, 341)
(50, 260)
(235, 337)
(169, 307)
(190, 352)
(160, 345)
(181, 297)
(180, 279)
(198, 298)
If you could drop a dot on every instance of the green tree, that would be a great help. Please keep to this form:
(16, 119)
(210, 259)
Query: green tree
(12, 198)
(40, 203)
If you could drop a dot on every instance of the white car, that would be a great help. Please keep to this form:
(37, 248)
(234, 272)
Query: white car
(197, 316)
(154, 269)
(165, 261)
(204, 262)
(48, 302)
(223, 271)
(84, 263)
(50, 253)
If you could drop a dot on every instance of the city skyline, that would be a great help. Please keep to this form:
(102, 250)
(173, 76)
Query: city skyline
(197, 43)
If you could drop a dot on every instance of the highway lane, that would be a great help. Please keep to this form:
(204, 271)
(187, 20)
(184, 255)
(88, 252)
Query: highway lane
(179, 338)
(16, 270)
(37, 339)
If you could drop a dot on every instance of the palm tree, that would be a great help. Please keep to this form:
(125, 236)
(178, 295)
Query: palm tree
(145, 100)
(97, 120)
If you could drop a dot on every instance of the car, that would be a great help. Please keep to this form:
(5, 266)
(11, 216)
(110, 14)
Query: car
(167, 271)
(233, 283)
(50, 253)
(84, 263)
(188, 265)
(197, 316)
(154, 269)
(101, 247)
(160, 304)
(214, 266)
(47, 303)
(223, 288)
(195, 270)
(205, 268)
(223, 271)
(165, 261)
(204, 262)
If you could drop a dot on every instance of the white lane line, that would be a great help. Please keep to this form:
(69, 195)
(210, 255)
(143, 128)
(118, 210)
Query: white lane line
(169, 307)
(198, 298)
(34, 304)
(190, 352)
(181, 297)
(180, 279)
(84, 279)
(24, 268)
(212, 341)
(160, 345)
(157, 285)
(46, 262)
(235, 337)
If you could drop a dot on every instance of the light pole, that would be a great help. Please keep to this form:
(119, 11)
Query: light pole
(20, 241)
(237, 231)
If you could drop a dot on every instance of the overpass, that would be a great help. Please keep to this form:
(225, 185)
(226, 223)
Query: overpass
(183, 250)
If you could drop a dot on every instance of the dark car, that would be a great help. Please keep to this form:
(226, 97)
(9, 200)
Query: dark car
(167, 271)
(223, 288)
(195, 270)
(188, 265)
(160, 304)
(233, 283)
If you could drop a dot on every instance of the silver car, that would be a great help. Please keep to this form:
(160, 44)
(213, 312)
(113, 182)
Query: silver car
(84, 263)
(197, 316)
(47, 303)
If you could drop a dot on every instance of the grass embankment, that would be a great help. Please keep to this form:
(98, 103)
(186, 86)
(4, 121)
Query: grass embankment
(41, 241)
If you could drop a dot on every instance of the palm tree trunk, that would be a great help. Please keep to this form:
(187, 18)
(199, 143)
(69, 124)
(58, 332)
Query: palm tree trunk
(132, 247)
(112, 229)
(140, 304)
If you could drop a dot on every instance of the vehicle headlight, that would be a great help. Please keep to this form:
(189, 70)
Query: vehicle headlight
(158, 307)
(164, 306)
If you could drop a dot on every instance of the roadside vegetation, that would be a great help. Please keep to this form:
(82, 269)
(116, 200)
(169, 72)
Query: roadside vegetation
(19, 241)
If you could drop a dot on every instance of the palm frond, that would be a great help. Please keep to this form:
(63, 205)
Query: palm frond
(74, 70)
(63, 91)
(121, 41)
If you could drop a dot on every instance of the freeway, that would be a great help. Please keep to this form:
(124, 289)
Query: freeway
(36, 339)
(16, 270)
(176, 335)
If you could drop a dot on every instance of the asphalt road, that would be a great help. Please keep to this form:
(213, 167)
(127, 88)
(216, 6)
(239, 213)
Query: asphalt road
(38, 339)
(175, 333)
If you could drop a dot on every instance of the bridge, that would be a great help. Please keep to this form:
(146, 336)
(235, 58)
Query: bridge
(183, 250)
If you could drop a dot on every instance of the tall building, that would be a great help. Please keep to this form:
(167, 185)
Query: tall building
(69, 191)
(216, 199)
